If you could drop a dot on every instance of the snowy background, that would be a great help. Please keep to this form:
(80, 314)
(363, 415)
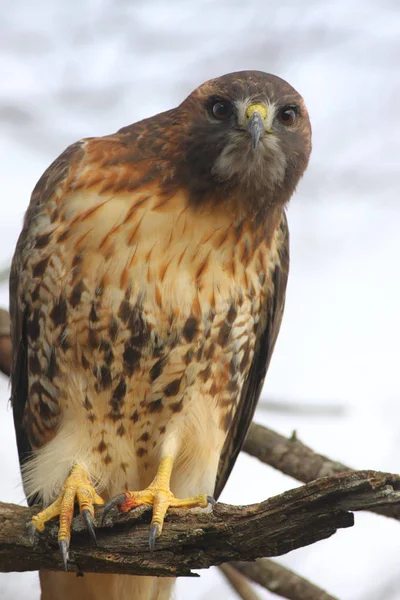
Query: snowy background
(87, 67)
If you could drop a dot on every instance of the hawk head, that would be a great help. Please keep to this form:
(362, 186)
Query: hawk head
(247, 131)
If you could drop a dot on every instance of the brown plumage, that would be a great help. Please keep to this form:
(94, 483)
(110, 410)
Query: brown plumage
(147, 291)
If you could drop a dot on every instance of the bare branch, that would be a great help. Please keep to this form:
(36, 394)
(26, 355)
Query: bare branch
(301, 407)
(289, 455)
(239, 582)
(291, 520)
(281, 581)
(292, 457)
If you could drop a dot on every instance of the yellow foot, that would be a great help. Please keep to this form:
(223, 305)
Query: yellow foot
(76, 486)
(159, 495)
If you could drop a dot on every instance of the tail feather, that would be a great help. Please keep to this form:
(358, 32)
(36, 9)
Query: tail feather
(96, 586)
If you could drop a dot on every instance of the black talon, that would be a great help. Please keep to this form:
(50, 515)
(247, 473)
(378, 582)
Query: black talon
(211, 500)
(116, 501)
(63, 544)
(87, 519)
(153, 535)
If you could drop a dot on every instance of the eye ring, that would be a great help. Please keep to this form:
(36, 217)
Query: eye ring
(221, 110)
(288, 115)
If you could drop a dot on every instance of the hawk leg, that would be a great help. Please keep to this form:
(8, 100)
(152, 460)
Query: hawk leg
(159, 495)
(77, 486)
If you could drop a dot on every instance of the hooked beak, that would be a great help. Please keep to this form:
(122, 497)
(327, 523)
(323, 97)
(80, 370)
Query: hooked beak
(256, 116)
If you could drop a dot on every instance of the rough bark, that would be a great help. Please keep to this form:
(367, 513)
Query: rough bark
(283, 523)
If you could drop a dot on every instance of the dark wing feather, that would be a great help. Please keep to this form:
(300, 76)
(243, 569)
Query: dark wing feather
(19, 365)
(262, 355)
(19, 311)
(19, 396)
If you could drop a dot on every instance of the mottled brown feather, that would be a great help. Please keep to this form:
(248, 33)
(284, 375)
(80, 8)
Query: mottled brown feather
(266, 337)
(62, 170)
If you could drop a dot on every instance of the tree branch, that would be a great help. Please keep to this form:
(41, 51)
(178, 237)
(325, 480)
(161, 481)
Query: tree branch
(281, 581)
(239, 582)
(291, 520)
(301, 407)
(292, 457)
(289, 455)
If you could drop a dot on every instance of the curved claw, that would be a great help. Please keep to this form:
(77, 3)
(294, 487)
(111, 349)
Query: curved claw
(211, 500)
(87, 519)
(153, 535)
(63, 545)
(116, 501)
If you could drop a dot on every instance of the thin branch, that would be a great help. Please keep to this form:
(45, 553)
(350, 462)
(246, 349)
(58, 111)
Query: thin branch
(292, 457)
(239, 582)
(289, 455)
(283, 523)
(301, 408)
(281, 581)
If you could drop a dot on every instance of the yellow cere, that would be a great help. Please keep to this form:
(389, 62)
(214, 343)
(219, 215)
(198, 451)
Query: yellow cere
(256, 108)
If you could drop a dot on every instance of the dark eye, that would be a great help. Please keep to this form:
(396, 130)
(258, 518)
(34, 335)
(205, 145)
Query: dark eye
(221, 110)
(288, 115)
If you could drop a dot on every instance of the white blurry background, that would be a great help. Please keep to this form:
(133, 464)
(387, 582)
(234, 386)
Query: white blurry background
(87, 67)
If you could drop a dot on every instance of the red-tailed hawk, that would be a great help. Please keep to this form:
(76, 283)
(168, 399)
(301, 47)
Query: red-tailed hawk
(147, 291)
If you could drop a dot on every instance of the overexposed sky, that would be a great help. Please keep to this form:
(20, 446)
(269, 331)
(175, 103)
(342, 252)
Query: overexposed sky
(83, 68)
